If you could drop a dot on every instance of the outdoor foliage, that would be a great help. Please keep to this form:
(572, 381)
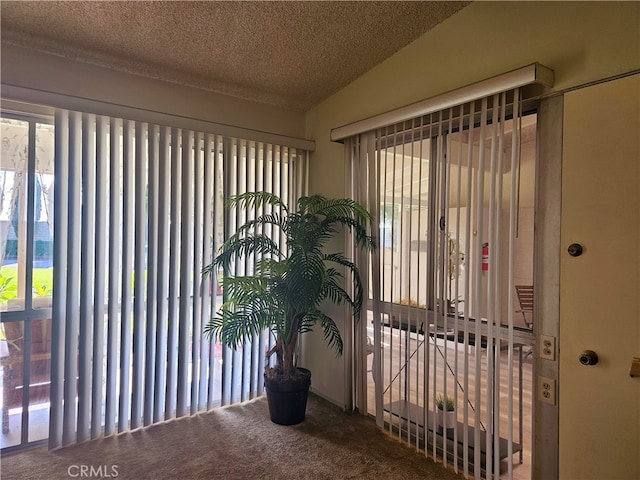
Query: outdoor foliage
(8, 288)
(42, 283)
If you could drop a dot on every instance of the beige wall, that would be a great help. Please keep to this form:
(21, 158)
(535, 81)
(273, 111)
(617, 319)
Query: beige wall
(580, 41)
(31, 69)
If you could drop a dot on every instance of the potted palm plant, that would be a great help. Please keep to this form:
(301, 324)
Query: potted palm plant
(288, 286)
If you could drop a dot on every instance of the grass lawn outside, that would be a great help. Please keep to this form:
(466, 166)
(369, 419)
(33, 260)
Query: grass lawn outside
(42, 283)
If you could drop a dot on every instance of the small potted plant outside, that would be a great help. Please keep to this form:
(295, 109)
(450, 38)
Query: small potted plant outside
(446, 411)
(288, 285)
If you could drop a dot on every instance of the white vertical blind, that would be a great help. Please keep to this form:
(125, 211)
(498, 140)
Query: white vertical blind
(139, 276)
(186, 275)
(444, 190)
(113, 267)
(60, 229)
(151, 330)
(87, 264)
(162, 292)
(127, 244)
(100, 268)
(139, 211)
(197, 267)
(71, 267)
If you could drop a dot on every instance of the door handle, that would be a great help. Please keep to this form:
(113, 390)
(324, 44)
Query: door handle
(588, 357)
(575, 249)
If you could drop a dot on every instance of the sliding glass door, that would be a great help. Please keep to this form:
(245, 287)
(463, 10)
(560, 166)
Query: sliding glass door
(103, 308)
(454, 195)
(26, 277)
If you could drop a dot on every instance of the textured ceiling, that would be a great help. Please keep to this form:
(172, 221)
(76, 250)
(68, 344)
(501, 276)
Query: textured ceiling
(291, 54)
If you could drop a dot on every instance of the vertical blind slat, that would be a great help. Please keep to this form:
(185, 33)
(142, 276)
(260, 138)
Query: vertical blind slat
(208, 286)
(126, 325)
(229, 168)
(115, 164)
(140, 192)
(240, 355)
(218, 212)
(263, 342)
(174, 272)
(479, 201)
(513, 212)
(164, 198)
(60, 229)
(150, 334)
(468, 292)
(185, 316)
(252, 169)
(100, 275)
(73, 284)
(196, 343)
(87, 263)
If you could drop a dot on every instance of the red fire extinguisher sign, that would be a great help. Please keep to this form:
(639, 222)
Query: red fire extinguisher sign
(485, 257)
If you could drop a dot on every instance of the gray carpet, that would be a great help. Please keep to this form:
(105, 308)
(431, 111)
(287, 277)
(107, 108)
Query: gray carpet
(237, 442)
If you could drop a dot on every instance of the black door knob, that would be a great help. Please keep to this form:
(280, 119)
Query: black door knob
(588, 357)
(575, 249)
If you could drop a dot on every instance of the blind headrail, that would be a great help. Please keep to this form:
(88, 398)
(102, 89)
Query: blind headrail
(44, 98)
(531, 74)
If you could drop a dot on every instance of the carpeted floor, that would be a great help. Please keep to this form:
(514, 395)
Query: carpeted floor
(236, 442)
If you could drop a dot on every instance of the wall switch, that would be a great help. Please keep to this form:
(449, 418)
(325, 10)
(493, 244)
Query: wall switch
(547, 390)
(548, 347)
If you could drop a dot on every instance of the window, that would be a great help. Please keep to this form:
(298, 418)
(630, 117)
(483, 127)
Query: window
(26, 214)
(26, 276)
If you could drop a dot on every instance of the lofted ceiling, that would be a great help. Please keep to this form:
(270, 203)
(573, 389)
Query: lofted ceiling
(288, 53)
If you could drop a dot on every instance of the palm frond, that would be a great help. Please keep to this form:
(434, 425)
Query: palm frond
(332, 272)
(338, 295)
(233, 328)
(339, 207)
(237, 247)
(270, 267)
(265, 219)
(249, 200)
(209, 270)
(250, 308)
(246, 290)
(310, 203)
(358, 289)
(362, 238)
(330, 330)
(304, 278)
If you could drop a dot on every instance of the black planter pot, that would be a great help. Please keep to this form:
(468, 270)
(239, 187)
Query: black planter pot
(288, 399)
